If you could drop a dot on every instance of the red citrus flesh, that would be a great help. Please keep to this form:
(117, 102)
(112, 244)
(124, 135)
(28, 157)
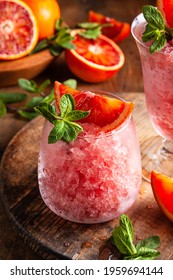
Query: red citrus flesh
(94, 60)
(105, 112)
(166, 8)
(117, 31)
(162, 187)
(18, 29)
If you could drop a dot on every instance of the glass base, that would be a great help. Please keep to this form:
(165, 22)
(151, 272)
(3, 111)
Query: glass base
(156, 154)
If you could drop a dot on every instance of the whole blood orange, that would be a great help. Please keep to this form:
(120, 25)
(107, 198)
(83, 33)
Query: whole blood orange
(166, 8)
(18, 29)
(105, 112)
(117, 31)
(162, 187)
(94, 60)
(46, 12)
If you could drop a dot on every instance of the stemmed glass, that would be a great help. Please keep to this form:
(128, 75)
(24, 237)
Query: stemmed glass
(157, 71)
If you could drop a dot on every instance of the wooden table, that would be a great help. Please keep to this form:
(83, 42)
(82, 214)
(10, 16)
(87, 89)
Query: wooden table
(127, 83)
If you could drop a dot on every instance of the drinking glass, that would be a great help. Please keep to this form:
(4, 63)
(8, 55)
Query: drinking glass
(94, 178)
(157, 69)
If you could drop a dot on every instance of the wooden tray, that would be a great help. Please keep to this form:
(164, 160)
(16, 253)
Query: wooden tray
(27, 67)
(54, 237)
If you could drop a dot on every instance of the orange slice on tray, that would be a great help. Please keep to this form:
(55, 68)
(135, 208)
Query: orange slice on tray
(162, 187)
(94, 60)
(18, 29)
(117, 31)
(106, 112)
(166, 8)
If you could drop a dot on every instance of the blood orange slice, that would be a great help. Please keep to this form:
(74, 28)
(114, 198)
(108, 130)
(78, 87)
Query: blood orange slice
(106, 112)
(162, 187)
(94, 60)
(18, 29)
(117, 31)
(166, 8)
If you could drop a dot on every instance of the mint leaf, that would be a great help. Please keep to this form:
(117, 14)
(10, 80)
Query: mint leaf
(158, 43)
(71, 132)
(88, 25)
(42, 45)
(151, 242)
(13, 97)
(28, 85)
(71, 83)
(126, 224)
(76, 115)
(154, 17)
(149, 33)
(67, 104)
(155, 31)
(91, 33)
(143, 254)
(47, 111)
(57, 132)
(123, 236)
(58, 24)
(2, 108)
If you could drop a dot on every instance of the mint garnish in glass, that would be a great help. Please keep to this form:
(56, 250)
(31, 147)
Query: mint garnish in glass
(65, 127)
(156, 30)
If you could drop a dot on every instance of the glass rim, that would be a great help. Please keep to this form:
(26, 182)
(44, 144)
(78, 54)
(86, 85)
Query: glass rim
(140, 18)
(113, 131)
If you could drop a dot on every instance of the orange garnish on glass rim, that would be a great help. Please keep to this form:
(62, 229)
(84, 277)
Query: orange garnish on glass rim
(106, 112)
(162, 187)
(18, 29)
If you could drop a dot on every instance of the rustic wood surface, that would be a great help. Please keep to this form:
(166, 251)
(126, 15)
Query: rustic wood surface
(55, 238)
(128, 82)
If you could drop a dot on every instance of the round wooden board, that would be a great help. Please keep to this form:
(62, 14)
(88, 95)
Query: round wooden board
(54, 237)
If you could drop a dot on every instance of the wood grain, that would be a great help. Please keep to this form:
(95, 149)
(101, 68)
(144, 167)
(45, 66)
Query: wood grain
(54, 237)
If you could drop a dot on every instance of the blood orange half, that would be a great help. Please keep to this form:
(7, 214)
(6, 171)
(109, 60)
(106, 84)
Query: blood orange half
(166, 8)
(94, 60)
(117, 31)
(106, 112)
(18, 29)
(162, 187)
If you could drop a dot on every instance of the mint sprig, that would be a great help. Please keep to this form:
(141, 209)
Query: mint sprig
(156, 30)
(123, 238)
(65, 127)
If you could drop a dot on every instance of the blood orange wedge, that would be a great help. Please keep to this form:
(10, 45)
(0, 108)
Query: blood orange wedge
(166, 8)
(162, 187)
(18, 29)
(117, 31)
(105, 112)
(94, 60)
